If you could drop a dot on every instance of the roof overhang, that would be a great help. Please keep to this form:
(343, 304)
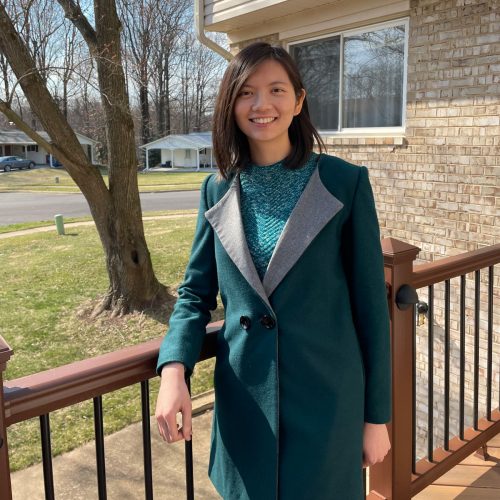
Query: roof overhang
(289, 19)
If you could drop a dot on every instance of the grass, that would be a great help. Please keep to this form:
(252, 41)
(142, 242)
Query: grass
(44, 180)
(21, 226)
(49, 282)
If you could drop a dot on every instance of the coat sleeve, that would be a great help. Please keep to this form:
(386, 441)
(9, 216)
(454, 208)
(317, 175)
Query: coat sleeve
(365, 272)
(197, 297)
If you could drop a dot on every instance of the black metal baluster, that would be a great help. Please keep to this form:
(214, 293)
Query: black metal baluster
(48, 476)
(146, 440)
(99, 448)
(462, 357)
(477, 303)
(189, 460)
(489, 375)
(430, 375)
(447, 365)
(414, 394)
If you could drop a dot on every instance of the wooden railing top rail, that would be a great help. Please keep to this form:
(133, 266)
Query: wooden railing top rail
(451, 267)
(66, 385)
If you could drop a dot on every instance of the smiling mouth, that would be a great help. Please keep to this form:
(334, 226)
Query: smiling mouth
(263, 120)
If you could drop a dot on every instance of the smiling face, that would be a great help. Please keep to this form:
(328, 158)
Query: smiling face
(264, 109)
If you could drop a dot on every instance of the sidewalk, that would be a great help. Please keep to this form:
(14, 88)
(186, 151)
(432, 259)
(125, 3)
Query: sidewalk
(68, 225)
(75, 474)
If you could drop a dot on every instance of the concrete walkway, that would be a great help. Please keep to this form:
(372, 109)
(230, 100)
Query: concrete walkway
(69, 225)
(75, 476)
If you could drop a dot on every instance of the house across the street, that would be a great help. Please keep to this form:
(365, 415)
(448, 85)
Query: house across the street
(183, 150)
(16, 143)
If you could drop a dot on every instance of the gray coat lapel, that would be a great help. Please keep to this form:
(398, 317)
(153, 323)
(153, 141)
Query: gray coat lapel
(314, 209)
(225, 218)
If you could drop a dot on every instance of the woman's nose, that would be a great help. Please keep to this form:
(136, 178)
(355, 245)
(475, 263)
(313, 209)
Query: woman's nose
(261, 101)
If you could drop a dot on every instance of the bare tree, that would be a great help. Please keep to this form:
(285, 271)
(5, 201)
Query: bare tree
(68, 67)
(140, 34)
(206, 73)
(41, 21)
(199, 73)
(116, 210)
(174, 21)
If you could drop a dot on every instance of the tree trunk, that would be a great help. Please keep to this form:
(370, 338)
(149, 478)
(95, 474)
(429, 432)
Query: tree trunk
(133, 284)
(168, 124)
(145, 117)
(117, 210)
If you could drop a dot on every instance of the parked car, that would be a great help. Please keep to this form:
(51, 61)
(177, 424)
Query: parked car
(7, 163)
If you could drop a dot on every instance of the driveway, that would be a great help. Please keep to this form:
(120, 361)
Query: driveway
(32, 207)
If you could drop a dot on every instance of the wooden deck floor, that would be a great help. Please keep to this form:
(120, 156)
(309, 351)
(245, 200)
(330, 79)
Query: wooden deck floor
(472, 479)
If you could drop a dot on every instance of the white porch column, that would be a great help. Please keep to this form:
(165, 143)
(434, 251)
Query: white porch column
(197, 160)
(211, 158)
(147, 159)
(172, 155)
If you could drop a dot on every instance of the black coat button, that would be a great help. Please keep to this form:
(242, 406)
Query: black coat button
(245, 322)
(267, 321)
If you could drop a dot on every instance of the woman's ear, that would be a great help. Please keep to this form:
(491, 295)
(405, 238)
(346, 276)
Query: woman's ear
(300, 101)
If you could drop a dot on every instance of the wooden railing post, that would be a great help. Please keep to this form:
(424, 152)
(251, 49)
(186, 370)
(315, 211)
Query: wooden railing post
(391, 479)
(5, 487)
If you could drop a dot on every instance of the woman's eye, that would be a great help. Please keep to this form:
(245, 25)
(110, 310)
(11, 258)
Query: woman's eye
(277, 90)
(244, 93)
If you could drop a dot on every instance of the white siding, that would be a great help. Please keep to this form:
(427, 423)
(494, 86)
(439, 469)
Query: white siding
(227, 15)
(292, 19)
(38, 158)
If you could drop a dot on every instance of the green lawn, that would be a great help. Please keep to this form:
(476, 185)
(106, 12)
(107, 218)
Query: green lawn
(48, 282)
(44, 180)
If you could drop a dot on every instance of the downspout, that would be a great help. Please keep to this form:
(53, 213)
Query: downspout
(199, 24)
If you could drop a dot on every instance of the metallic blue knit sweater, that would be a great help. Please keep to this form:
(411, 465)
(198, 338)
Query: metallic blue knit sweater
(268, 195)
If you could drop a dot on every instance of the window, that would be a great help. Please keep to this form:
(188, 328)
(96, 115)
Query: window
(33, 147)
(187, 154)
(355, 79)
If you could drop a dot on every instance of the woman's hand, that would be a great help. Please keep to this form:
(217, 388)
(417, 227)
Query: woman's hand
(173, 398)
(376, 443)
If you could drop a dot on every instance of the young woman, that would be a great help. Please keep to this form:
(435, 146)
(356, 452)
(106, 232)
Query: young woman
(290, 238)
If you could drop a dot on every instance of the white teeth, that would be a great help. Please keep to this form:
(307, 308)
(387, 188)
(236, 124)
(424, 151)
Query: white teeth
(263, 120)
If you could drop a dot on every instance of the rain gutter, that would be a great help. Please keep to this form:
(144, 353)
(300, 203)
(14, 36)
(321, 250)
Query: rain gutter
(199, 24)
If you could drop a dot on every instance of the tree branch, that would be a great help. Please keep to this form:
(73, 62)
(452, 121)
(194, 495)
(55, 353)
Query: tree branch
(22, 125)
(74, 13)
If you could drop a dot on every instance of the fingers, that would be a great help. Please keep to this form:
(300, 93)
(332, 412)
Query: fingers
(173, 429)
(166, 416)
(368, 460)
(162, 427)
(168, 428)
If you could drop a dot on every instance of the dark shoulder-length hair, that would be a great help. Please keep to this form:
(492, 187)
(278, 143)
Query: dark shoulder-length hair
(230, 145)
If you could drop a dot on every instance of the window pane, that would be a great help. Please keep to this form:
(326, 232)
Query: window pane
(319, 64)
(373, 78)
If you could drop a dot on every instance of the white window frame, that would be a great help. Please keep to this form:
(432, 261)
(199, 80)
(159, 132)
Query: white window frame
(364, 131)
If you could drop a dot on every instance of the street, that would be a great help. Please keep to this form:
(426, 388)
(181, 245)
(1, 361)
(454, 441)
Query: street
(30, 207)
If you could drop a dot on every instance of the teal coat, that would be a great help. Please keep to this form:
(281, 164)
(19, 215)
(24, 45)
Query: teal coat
(303, 358)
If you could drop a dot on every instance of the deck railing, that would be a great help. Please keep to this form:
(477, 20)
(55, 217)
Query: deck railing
(402, 475)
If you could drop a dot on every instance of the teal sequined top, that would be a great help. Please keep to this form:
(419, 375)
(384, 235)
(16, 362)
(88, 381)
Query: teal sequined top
(268, 196)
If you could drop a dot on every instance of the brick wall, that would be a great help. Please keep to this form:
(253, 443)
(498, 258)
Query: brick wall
(438, 188)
